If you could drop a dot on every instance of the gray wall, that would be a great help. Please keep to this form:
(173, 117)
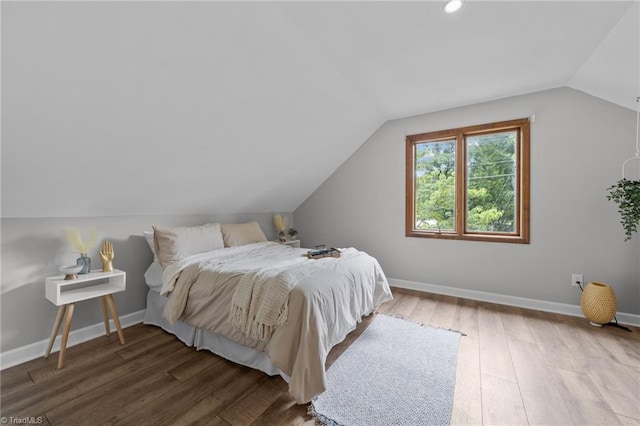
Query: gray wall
(33, 249)
(577, 148)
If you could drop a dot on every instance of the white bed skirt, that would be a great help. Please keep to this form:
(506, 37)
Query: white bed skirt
(203, 339)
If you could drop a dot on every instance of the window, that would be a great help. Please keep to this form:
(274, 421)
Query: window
(470, 183)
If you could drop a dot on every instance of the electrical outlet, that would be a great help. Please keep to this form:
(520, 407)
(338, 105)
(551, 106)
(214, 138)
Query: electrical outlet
(577, 280)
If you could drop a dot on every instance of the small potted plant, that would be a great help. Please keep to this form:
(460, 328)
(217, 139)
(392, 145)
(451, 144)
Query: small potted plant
(626, 194)
(293, 233)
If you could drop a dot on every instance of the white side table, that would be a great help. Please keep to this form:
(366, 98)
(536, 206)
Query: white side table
(65, 293)
(292, 243)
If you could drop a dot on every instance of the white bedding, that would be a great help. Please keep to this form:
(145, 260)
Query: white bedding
(153, 277)
(323, 306)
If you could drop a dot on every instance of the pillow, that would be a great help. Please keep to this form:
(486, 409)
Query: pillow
(239, 234)
(175, 243)
(148, 235)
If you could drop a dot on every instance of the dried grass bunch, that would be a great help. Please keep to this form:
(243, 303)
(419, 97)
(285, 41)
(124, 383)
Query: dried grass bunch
(280, 222)
(74, 237)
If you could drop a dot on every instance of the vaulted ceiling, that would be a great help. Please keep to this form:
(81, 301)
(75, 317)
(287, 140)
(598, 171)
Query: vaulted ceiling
(176, 107)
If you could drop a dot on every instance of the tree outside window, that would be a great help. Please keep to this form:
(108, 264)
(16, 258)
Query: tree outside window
(470, 183)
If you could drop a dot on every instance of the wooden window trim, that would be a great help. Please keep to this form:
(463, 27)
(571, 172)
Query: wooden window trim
(522, 232)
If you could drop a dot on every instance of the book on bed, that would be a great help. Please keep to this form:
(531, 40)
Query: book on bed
(325, 252)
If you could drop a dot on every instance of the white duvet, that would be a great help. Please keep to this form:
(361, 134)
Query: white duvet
(326, 300)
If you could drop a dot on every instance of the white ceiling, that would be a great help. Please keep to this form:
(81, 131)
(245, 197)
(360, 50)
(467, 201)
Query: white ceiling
(170, 107)
(411, 58)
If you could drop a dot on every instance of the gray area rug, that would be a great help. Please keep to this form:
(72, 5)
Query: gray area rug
(396, 373)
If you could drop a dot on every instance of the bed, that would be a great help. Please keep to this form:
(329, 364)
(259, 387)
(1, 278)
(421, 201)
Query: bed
(215, 300)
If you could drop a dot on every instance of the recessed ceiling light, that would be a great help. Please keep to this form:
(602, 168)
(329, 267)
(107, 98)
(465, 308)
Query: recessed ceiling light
(452, 6)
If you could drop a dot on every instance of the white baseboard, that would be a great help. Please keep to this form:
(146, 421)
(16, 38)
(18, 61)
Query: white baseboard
(521, 302)
(35, 350)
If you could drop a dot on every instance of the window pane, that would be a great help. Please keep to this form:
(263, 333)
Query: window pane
(491, 182)
(435, 185)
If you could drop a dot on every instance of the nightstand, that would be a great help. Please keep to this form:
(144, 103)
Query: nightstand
(65, 293)
(292, 243)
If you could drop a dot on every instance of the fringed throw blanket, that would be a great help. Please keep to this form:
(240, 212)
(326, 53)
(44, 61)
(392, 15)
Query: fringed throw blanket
(259, 303)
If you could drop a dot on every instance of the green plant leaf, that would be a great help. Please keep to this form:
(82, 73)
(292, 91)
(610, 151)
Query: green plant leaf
(626, 194)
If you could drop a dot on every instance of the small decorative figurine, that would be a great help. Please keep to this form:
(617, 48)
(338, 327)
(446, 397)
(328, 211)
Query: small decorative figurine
(106, 255)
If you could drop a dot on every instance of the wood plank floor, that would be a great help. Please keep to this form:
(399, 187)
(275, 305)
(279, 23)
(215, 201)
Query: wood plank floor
(515, 366)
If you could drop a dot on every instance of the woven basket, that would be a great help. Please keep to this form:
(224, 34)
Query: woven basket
(598, 303)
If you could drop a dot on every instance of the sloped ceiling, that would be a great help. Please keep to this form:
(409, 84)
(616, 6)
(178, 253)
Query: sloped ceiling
(612, 71)
(120, 108)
